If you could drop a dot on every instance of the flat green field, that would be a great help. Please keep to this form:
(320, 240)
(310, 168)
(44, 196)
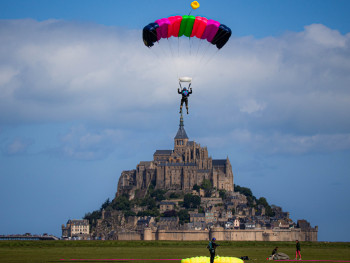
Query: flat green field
(105, 251)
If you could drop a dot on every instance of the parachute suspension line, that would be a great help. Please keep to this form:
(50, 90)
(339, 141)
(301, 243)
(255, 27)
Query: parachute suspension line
(213, 55)
(204, 52)
(173, 58)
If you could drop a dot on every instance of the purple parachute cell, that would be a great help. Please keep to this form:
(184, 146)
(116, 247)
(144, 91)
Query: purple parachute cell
(162, 30)
(211, 30)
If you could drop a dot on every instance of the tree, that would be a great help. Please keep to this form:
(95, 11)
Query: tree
(184, 216)
(158, 194)
(222, 193)
(207, 186)
(262, 201)
(105, 204)
(92, 217)
(129, 213)
(248, 193)
(149, 202)
(174, 196)
(191, 201)
(121, 203)
(171, 213)
(196, 187)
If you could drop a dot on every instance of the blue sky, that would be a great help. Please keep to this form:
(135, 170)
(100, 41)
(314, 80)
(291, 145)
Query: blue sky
(81, 100)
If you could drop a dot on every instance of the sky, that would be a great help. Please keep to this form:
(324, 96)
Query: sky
(82, 99)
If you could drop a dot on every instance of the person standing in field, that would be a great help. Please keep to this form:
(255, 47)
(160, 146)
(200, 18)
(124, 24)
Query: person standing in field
(297, 252)
(212, 246)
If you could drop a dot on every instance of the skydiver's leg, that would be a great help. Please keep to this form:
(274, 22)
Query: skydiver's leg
(182, 102)
(186, 102)
(212, 256)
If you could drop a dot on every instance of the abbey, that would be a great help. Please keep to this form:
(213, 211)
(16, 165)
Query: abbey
(188, 164)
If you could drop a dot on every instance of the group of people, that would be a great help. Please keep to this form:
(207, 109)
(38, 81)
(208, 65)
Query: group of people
(213, 245)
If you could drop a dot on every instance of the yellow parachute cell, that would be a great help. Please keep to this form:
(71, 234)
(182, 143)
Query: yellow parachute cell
(194, 4)
(216, 260)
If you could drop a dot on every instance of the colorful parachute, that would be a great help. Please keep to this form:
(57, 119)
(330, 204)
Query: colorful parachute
(216, 260)
(189, 26)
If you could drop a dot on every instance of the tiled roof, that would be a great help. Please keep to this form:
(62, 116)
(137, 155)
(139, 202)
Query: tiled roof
(220, 162)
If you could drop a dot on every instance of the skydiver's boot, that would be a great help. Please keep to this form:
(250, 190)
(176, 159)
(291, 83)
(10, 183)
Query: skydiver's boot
(180, 109)
(187, 109)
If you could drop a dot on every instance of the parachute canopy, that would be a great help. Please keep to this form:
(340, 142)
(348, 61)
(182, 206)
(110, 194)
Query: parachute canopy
(189, 26)
(216, 260)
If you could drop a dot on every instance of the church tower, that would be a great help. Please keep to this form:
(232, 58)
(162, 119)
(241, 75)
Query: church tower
(181, 139)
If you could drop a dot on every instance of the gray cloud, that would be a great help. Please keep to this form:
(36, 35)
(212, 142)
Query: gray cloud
(290, 92)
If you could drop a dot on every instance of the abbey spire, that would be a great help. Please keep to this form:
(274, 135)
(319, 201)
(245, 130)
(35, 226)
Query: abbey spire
(181, 137)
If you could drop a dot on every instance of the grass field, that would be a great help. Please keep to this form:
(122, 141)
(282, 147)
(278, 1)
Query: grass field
(55, 251)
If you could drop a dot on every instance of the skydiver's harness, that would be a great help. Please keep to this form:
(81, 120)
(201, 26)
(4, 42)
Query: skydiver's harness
(185, 94)
(211, 246)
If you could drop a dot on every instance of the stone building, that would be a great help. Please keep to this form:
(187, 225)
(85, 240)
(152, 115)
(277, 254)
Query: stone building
(166, 206)
(188, 164)
(77, 228)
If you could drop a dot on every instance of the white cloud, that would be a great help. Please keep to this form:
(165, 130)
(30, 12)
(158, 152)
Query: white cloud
(292, 90)
(82, 144)
(17, 146)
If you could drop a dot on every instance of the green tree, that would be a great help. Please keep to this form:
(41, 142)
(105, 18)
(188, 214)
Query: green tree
(171, 213)
(129, 213)
(222, 193)
(158, 194)
(149, 202)
(262, 201)
(105, 204)
(191, 201)
(174, 196)
(196, 187)
(121, 203)
(233, 211)
(184, 216)
(92, 217)
(207, 187)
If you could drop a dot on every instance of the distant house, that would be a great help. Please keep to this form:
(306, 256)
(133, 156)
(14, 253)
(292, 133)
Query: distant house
(144, 222)
(200, 217)
(168, 223)
(166, 206)
(236, 224)
(250, 225)
(76, 228)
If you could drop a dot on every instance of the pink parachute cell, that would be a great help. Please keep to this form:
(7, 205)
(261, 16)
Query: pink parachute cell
(210, 30)
(174, 26)
(199, 26)
(162, 30)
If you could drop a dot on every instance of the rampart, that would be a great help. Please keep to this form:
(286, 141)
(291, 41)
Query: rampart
(223, 235)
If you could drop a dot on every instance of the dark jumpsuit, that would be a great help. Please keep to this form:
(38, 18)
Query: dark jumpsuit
(185, 94)
(212, 246)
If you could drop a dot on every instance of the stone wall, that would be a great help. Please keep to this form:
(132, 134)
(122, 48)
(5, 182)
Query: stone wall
(264, 234)
(223, 235)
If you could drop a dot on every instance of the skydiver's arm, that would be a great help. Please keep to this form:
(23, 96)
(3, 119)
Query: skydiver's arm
(179, 91)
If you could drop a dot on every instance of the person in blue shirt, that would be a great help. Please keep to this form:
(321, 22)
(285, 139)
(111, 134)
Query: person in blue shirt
(212, 246)
(185, 94)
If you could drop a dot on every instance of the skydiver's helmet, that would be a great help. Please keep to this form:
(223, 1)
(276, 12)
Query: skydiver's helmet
(213, 239)
(185, 88)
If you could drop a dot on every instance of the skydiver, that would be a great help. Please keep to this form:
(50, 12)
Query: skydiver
(185, 94)
(212, 246)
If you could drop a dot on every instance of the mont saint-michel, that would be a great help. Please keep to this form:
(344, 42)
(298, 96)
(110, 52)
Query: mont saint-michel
(184, 194)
